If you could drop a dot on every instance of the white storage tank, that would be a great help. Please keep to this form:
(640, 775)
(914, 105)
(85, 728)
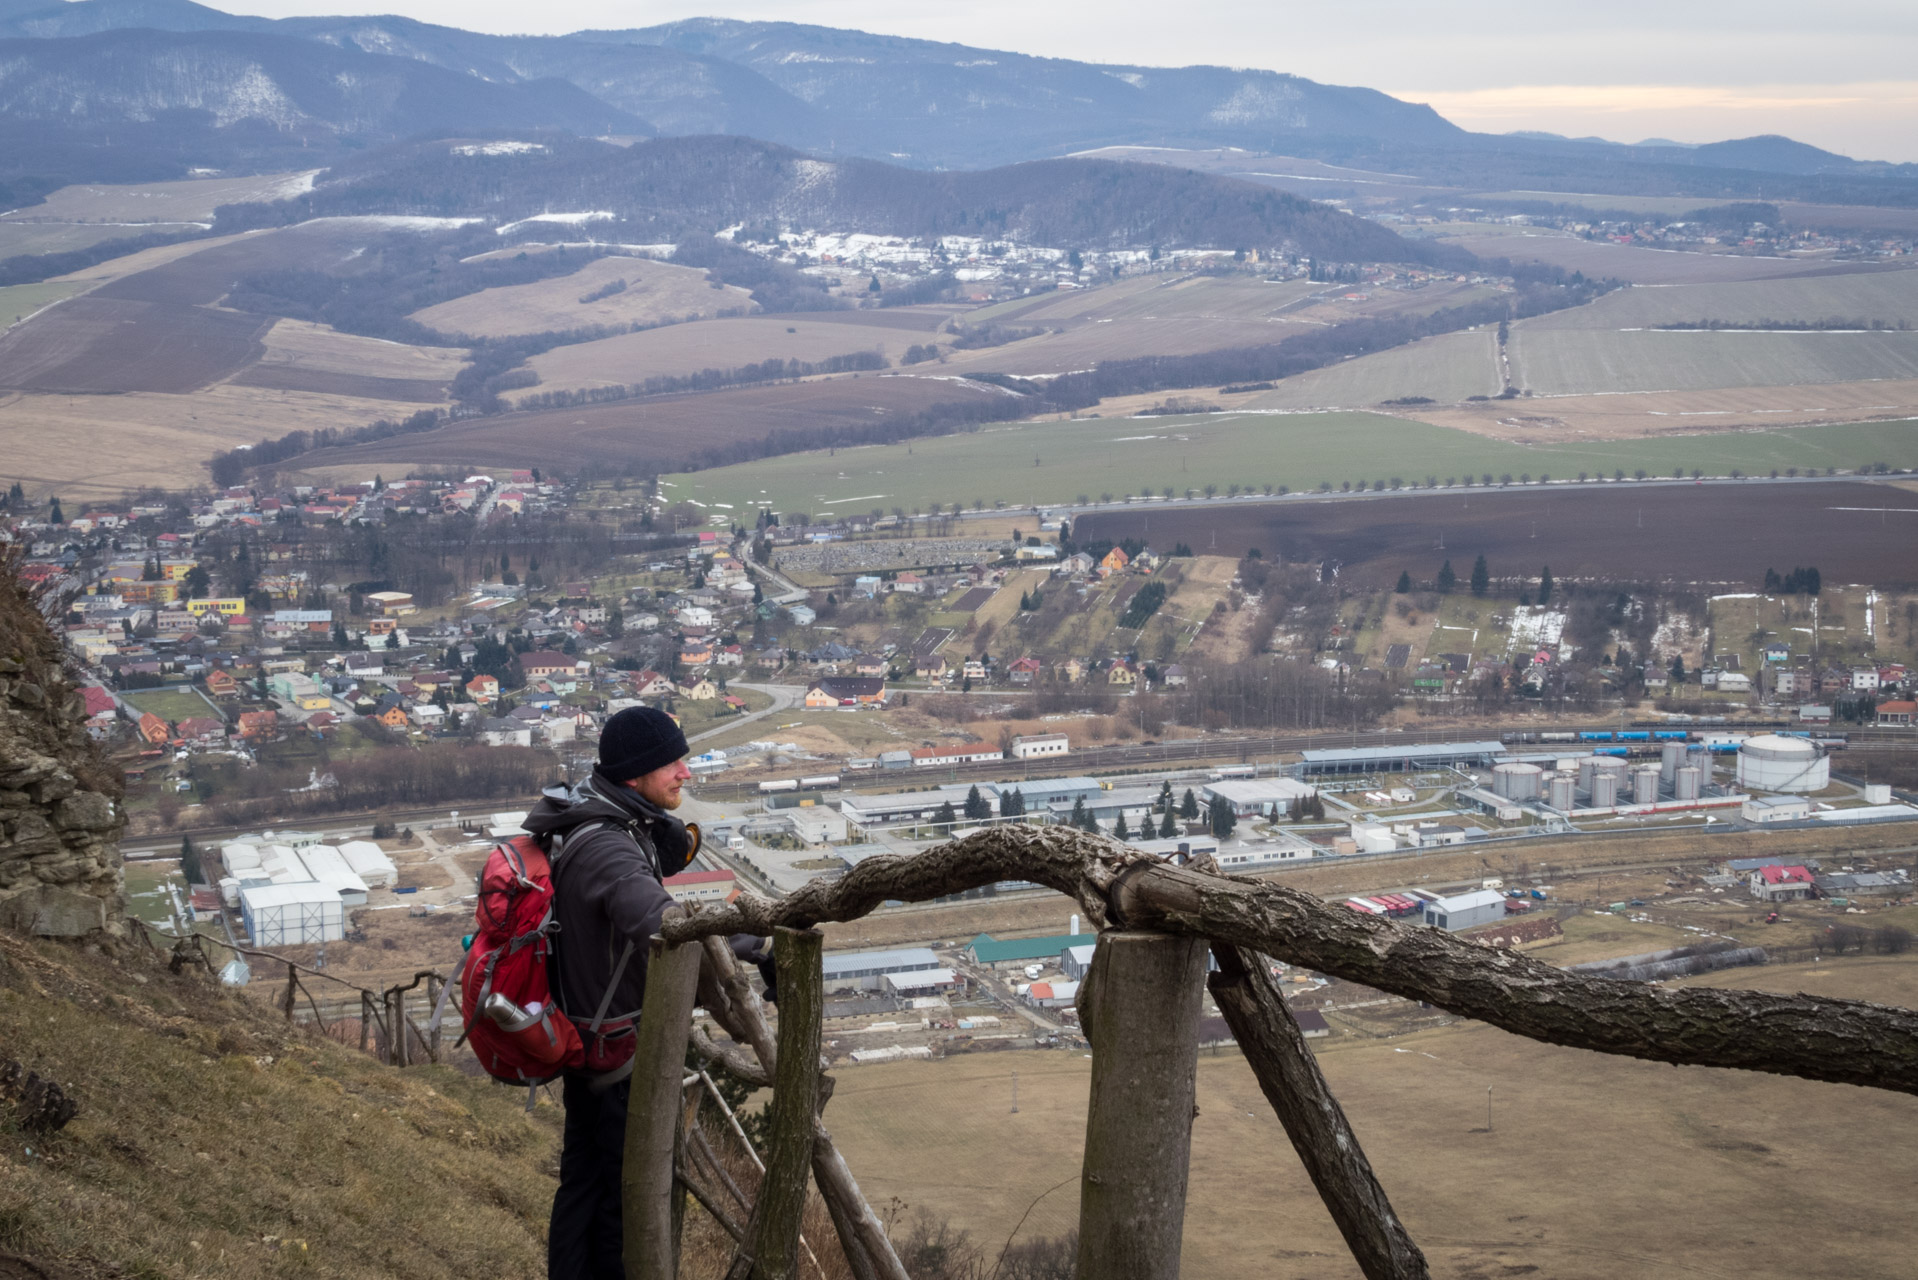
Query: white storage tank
(1605, 791)
(1645, 785)
(1773, 762)
(370, 863)
(1587, 770)
(1561, 792)
(1670, 757)
(292, 915)
(1685, 783)
(1516, 781)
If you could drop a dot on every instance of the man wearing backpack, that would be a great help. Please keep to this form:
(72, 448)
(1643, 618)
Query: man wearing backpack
(613, 840)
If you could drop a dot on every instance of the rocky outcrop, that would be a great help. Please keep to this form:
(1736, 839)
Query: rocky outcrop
(60, 814)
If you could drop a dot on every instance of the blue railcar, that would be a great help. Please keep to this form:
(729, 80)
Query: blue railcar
(1612, 751)
(1634, 735)
(1670, 735)
(1594, 735)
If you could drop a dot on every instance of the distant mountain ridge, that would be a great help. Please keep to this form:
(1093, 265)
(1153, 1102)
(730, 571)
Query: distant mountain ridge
(844, 93)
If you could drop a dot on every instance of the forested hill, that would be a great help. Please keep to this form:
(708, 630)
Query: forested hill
(667, 188)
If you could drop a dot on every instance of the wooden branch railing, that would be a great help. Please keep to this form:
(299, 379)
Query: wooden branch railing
(1140, 1007)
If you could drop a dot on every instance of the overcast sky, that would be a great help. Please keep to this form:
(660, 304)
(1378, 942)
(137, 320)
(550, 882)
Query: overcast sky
(1841, 74)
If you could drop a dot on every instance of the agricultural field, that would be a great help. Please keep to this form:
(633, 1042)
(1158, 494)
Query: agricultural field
(310, 357)
(1554, 362)
(1053, 462)
(681, 349)
(1543, 1191)
(102, 345)
(636, 436)
(1752, 412)
(1889, 298)
(1723, 533)
(1445, 368)
(184, 200)
(98, 447)
(655, 293)
(19, 301)
(1603, 259)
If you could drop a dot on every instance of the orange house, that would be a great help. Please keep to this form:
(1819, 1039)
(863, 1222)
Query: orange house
(259, 724)
(221, 684)
(1115, 561)
(153, 729)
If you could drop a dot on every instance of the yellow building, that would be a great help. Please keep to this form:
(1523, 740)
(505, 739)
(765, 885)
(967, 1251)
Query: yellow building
(228, 606)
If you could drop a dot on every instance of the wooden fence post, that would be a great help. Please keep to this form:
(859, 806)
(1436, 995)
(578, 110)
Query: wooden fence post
(396, 1023)
(654, 1113)
(292, 990)
(1289, 1076)
(771, 1251)
(433, 984)
(1141, 1015)
(366, 1019)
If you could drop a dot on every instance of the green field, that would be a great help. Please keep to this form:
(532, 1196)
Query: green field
(1446, 369)
(1099, 456)
(173, 704)
(19, 301)
(1592, 362)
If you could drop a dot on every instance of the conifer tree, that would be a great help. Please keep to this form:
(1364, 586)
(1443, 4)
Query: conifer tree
(1481, 577)
(1189, 805)
(1168, 826)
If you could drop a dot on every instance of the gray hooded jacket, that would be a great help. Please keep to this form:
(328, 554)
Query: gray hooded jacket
(607, 891)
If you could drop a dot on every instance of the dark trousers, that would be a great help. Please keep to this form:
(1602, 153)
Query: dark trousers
(584, 1241)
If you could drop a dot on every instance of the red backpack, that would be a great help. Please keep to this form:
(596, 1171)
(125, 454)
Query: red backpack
(516, 1029)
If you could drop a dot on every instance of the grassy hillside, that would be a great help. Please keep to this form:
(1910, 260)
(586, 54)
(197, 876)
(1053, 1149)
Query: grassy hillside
(214, 1140)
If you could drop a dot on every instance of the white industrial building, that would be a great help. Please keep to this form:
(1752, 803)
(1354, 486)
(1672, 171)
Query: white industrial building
(1468, 910)
(921, 982)
(867, 970)
(1775, 809)
(292, 915)
(1773, 762)
(370, 863)
(815, 824)
(1258, 797)
(325, 865)
(1038, 745)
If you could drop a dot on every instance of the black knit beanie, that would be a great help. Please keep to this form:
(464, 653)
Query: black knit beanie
(637, 741)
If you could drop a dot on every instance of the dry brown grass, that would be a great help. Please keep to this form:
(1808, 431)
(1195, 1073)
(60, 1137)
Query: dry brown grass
(1568, 419)
(1595, 1167)
(99, 447)
(315, 346)
(682, 349)
(655, 293)
(213, 1140)
(186, 200)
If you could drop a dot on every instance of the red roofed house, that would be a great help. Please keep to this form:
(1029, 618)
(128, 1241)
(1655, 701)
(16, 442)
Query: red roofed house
(153, 729)
(202, 731)
(1781, 884)
(1900, 713)
(651, 684)
(957, 753)
(221, 684)
(259, 724)
(702, 886)
(483, 689)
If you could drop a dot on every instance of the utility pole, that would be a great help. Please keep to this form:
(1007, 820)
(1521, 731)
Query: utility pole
(1015, 1093)
(1488, 1108)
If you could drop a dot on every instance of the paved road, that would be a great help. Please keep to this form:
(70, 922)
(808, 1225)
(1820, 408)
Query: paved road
(785, 697)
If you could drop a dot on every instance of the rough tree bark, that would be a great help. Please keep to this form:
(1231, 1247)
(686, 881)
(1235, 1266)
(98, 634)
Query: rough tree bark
(1288, 1073)
(737, 1008)
(1842, 1041)
(1141, 1016)
(771, 1251)
(654, 1114)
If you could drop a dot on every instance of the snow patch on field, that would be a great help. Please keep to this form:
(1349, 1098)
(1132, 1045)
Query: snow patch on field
(567, 219)
(392, 222)
(1535, 628)
(502, 148)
